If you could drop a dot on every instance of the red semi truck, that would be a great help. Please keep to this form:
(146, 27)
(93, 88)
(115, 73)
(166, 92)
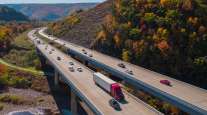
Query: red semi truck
(109, 85)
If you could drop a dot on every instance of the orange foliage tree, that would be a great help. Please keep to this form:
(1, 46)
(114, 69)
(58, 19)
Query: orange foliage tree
(3, 69)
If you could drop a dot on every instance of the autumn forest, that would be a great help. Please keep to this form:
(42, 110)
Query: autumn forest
(167, 36)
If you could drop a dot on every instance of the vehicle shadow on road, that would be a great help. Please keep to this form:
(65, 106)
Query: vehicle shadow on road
(123, 101)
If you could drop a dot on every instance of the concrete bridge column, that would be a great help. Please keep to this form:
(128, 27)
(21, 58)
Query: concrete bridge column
(86, 108)
(43, 60)
(56, 79)
(74, 103)
(38, 52)
(85, 63)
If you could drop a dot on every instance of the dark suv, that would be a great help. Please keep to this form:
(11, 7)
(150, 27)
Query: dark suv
(121, 65)
(58, 58)
(113, 103)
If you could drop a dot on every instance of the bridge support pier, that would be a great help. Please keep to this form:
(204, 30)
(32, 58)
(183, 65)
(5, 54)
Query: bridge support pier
(74, 103)
(85, 63)
(56, 79)
(86, 108)
(38, 51)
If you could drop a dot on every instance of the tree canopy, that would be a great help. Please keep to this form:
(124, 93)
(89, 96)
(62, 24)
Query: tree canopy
(167, 36)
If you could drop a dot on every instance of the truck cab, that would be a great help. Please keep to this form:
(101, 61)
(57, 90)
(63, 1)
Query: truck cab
(116, 92)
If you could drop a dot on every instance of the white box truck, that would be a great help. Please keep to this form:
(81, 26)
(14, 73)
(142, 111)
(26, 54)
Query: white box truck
(109, 85)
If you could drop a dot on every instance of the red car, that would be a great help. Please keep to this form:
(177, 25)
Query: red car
(165, 82)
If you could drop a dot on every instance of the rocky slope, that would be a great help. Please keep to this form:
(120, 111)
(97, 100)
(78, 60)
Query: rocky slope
(84, 31)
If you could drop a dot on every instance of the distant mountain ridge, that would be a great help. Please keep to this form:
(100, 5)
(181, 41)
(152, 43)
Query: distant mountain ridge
(49, 12)
(9, 14)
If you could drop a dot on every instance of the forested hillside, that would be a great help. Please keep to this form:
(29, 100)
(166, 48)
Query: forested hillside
(9, 14)
(22, 83)
(13, 24)
(167, 36)
(7, 33)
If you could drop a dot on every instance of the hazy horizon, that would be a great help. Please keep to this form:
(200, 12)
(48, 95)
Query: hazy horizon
(48, 1)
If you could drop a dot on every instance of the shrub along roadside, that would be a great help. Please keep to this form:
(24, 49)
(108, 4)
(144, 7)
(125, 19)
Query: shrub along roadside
(1, 107)
(11, 77)
(15, 81)
(11, 99)
(22, 53)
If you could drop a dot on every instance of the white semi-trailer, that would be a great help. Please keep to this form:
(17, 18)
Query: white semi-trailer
(109, 85)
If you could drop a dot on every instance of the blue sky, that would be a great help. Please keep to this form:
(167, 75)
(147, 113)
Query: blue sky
(47, 1)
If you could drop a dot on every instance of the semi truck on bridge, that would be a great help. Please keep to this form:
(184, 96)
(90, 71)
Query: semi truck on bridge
(108, 85)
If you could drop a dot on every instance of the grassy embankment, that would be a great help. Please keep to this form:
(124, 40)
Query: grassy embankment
(22, 53)
(20, 68)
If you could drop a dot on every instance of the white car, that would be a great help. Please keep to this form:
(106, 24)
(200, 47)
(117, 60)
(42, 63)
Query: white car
(80, 69)
(90, 55)
(84, 52)
(71, 69)
(129, 72)
(71, 63)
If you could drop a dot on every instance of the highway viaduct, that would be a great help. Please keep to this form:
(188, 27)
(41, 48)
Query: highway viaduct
(84, 92)
(187, 97)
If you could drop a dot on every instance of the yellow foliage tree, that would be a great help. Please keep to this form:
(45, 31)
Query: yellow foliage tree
(4, 32)
(161, 34)
(117, 4)
(193, 20)
(187, 5)
(110, 22)
(138, 46)
(170, 3)
(72, 20)
(117, 39)
(101, 35)
(125, 55)
(3, 69)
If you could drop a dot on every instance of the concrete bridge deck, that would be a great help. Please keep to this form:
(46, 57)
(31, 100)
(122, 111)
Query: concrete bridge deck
(189, 98)
(83, 85)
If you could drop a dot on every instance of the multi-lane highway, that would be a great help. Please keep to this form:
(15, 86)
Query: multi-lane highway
(95, 97)
(187, 97)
